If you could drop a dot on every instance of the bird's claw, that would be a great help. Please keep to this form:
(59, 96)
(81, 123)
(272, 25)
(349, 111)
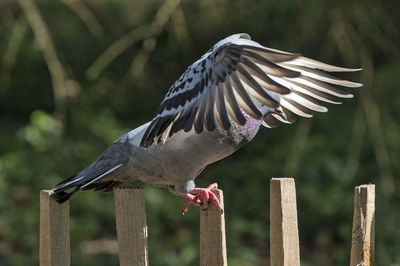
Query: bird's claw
(195, 200)
(202, 197)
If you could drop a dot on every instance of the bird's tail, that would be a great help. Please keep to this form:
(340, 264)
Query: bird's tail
(83, 181)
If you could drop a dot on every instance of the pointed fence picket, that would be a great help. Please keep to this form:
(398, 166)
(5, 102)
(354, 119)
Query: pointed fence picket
(130, 212)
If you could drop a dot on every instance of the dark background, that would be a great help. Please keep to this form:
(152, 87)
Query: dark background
(76, 74)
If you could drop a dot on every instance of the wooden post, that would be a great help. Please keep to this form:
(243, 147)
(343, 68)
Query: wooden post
(212, 235)
(54, 248)
(363, 235)
(284, 234)
(130, 215)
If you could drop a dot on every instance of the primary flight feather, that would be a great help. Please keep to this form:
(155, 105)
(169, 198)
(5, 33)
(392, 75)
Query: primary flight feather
(216, 106)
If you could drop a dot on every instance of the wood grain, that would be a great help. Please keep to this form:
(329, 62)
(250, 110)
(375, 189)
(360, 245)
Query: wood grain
(363, 234)
(212, 235)
(284, 234)
(54, 248)
(130, 215)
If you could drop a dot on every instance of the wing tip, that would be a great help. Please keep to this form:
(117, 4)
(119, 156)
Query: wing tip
(344, 69)
(324, 66)
(323, 109)
(347, 96)
(355, 85)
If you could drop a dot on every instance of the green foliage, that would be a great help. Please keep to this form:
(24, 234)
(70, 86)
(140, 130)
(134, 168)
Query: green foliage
(83, 73)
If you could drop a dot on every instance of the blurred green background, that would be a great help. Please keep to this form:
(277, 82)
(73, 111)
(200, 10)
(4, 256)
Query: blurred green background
(76, 74)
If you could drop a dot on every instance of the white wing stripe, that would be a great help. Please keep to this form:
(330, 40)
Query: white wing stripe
(297, 98)
(294, 109)
(280, 119)
(321, 76)
(304, 61)
(320, 88)
(300, 89)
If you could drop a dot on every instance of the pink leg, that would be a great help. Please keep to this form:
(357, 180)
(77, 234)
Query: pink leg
(205, 194)
(191, 199)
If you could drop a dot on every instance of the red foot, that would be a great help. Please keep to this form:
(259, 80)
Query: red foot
(205, 194)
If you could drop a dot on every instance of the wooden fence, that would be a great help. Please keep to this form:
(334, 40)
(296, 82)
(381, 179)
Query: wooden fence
(132, 233)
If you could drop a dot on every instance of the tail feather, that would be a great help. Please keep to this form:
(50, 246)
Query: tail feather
(83, 182)
(62, 196)
(63, 183)
(103, 186)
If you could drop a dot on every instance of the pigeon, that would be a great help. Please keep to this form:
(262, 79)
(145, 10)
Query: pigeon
(215, 107)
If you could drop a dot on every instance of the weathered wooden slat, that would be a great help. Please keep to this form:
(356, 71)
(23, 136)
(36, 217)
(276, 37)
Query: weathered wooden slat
(130, 215)
(54, 248)
(284, 234)
(212, 235)
(363, 234)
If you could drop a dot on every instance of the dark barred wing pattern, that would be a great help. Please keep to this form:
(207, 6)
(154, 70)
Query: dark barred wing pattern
(242, 74)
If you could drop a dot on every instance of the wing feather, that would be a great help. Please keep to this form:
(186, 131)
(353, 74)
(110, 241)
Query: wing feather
(221, 108)
(272, 55)
(190, 120)
(210, 116)
(295, 108)
(252, 86)
(199, 120)
(248, 104)
(307, 62)
(322, 76)
(267, 67)
(239, 76)
(263, 79)
(270, 121)
(232, 106)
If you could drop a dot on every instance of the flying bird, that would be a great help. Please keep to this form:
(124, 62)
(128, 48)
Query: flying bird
(215, 107)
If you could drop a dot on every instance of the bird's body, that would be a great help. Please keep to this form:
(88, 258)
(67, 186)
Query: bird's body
(174, 164)
(215, 107)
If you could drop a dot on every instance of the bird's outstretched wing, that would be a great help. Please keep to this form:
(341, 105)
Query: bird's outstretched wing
(237, 75)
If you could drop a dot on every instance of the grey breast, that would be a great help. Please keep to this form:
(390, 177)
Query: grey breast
(182, 157)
